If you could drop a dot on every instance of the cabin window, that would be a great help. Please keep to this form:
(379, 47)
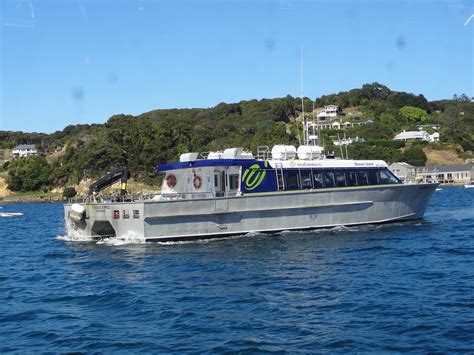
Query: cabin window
(306, 179)
(292, 180)
(386, 177)
(233, 182)
(351, 178)
(373, 177)
(317, 180)
(328, 179)
(362, 178)
(340, 178)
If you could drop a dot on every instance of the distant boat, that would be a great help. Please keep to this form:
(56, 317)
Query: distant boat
(10, 214)
(470, 185)
(439, 189)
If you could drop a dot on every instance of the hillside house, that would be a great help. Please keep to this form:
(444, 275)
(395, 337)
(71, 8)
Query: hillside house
(329, 112)
(434, 126)
(417, 136)
(350, 124)
(24, 150)
(347, 141)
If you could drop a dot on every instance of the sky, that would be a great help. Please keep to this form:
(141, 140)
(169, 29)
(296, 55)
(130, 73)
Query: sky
(69, 62)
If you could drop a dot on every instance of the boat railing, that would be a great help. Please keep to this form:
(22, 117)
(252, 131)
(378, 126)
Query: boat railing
(263, 152)
(143, 197)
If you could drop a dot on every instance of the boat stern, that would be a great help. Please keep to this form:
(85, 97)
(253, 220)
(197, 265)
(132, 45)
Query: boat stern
(103, 220)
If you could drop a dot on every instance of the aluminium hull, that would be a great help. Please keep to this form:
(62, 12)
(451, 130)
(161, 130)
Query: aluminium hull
(264, 212)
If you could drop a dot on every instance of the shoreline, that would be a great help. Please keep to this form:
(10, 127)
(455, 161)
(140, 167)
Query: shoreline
(15, 200)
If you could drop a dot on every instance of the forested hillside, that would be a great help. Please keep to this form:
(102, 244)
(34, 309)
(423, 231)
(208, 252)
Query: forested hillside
(143, 141)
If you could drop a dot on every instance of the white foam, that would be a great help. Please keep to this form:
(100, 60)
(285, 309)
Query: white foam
(209, 240)
(75, 238)
(11, 214)
(129, 238)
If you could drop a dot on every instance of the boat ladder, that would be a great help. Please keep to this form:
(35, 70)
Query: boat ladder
(279, 176)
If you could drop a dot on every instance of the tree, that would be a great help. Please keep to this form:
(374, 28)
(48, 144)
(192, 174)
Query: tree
(69, 192)
(413, 114)
(28, 174)
(414, 156)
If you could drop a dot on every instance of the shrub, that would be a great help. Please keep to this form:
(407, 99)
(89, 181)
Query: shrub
(69, 192)
(414, 156)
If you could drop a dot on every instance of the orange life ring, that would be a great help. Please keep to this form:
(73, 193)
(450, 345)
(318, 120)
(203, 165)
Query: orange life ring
(171, 181)
(197, 182)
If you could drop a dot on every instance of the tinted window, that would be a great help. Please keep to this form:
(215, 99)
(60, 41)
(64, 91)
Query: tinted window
(306, 179)
(233, 181)
(362, 177)
(351, 178)
(328, 179)
(386, 177)
(317, 179)
(373, 177)
(292, 180)
(340, 178)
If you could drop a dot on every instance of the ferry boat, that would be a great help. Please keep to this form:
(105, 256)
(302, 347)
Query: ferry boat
(233, 192)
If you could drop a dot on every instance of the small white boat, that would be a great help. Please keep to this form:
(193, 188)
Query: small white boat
(470, 185)
(10, 214)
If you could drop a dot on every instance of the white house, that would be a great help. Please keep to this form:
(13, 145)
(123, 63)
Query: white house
(417, 136)
(24, 150)
(434, 126)
(329, 112)
(446, 174)
(434, 137)
(350, 124)
(347, 141)
(336, 125)
(403, 171)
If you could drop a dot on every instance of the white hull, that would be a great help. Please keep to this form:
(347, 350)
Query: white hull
(265, 212)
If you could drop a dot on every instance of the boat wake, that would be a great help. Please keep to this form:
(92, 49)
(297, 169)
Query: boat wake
(131, 238)
(134, 238)
(210, 240)
(11, 214)
(75, 238)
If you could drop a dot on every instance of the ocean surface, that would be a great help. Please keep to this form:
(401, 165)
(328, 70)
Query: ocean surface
(397, 287)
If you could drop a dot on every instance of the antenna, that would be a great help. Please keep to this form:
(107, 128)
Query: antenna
(305, 134)
(340, 146)
(297, 131)
(312, 125)
(346, 144)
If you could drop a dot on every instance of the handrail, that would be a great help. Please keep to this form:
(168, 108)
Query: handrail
(263, 152)
(153, 197)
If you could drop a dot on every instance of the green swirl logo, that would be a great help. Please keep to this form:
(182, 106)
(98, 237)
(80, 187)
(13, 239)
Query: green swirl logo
(254, 175)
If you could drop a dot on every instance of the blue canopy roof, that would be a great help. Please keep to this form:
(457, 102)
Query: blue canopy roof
(203, 163)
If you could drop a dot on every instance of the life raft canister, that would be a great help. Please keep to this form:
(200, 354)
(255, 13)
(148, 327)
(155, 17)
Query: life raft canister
(171, 181)
(197, 182)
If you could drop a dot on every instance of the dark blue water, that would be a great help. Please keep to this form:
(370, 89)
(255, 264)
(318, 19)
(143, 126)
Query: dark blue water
(400, 287)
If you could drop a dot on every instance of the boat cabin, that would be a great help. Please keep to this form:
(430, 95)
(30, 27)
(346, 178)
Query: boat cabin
(235, 172)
